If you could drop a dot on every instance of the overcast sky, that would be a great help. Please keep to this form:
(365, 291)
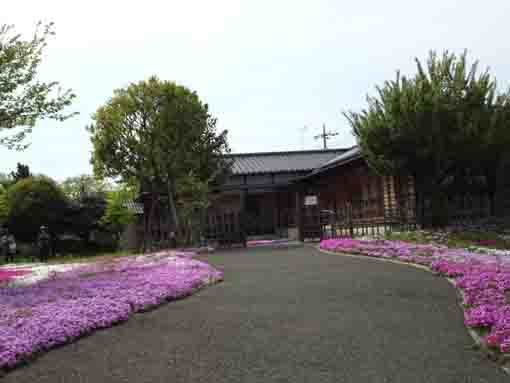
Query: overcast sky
(266, 68)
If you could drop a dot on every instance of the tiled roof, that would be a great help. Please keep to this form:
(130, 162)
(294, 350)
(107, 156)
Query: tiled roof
(280, 162)
(343, 158)
(134, 207)
(349, 155)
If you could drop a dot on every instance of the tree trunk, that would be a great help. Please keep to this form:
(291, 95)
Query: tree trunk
(149, 223)
(492, 203)
(172, 211)
(491, 179)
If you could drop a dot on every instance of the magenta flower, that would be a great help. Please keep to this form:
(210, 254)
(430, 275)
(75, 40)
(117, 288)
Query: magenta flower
(36, 317)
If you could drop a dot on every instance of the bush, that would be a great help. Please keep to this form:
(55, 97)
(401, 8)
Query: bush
(33, 202)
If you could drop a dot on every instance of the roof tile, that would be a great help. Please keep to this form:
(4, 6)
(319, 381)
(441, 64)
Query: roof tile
(280, 162)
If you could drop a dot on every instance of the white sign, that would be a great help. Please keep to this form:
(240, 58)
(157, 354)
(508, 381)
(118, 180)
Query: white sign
(311, 200)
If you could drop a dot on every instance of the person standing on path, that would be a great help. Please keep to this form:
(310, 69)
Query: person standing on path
(4, 243)
(43, 242)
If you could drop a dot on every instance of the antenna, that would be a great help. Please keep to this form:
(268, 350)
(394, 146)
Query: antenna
(325, 136)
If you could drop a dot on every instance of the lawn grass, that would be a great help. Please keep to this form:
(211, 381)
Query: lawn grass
(72, 258)
(460, 239)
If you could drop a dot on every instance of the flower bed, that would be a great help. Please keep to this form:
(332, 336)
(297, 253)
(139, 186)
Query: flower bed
(72, 303)
(483, 279)
(7, 275)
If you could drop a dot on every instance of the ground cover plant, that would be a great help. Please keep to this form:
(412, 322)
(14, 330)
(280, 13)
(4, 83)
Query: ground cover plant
(81, 299)
(480, 237)
(483, 279)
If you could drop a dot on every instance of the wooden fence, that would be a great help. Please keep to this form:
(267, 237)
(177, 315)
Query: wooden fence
(225, 229)
(368, 217)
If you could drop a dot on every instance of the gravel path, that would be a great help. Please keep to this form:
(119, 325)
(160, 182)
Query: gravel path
(285, 315)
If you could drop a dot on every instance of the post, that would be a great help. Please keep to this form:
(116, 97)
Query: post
(299, 215)
(349, 219)
(276, 213)
(242, 216)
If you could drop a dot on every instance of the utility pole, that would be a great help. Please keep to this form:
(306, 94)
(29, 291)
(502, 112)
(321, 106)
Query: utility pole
(325, 136)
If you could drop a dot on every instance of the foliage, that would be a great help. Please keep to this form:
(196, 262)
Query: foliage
(116, 215)
(192, 197)
(82, 217)
(453, 238)
(4, 206)
(23, 98)
(158, 133)
(22, 171)
(447, 126)
(33, 202)
(76, 188)
(6, 181)
(152, 122)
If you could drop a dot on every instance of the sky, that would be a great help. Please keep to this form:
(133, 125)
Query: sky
(267, 69)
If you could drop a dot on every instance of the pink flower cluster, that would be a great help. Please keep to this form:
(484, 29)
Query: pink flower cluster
(73, 303)
(7, 275)
(483, 279)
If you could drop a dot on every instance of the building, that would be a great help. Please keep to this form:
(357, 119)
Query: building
(259, 191)
(297, 194)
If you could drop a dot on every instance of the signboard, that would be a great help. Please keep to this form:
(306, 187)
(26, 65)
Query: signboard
(311, 200)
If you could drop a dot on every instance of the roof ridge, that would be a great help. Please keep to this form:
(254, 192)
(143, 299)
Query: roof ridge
(311, 151)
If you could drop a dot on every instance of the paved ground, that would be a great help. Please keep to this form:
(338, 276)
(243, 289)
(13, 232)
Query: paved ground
(286, 315)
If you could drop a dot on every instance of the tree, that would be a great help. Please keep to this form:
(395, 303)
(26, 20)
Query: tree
(4, 207)
(22, 171)
(33, 202)
(24, 99)
(6, 181)
(192, 201)
(81, 217)
(76, 188)
(157, 133)
(117, 215)
(445, 126)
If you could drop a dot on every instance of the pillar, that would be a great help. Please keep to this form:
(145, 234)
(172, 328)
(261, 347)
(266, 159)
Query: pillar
(299, 215)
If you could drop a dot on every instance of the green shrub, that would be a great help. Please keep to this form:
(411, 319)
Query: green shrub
(33, 202)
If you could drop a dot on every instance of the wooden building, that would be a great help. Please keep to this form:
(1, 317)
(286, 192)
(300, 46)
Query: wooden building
(297, 194)
(259, 196)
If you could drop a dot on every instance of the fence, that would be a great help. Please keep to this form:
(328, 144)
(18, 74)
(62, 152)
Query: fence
(226, 229)
(368, 217)
(376, 217)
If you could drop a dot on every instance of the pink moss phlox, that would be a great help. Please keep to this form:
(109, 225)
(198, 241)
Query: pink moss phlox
(7, 274)
(75, 302)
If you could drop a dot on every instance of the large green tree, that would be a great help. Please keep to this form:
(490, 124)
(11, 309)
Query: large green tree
(79, 187)
(157, 133)
(24, 99)
(36, 201)
(447, 126)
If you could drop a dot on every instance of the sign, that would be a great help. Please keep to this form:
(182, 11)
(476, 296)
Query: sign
(311, 200)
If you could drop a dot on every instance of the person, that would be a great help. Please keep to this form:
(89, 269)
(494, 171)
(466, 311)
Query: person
(43, 241)
(11, 243)
(4, 243)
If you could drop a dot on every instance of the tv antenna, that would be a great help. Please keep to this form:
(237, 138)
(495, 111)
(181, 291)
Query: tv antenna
(325, 136)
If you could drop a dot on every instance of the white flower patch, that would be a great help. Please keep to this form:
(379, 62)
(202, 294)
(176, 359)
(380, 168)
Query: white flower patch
(38, 272)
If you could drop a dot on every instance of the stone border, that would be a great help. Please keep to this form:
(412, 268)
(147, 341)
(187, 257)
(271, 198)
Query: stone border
(503, 360)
